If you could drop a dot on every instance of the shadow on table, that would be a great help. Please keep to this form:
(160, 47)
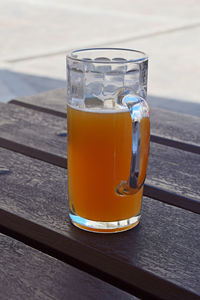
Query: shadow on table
(18, 85)
(175, 105)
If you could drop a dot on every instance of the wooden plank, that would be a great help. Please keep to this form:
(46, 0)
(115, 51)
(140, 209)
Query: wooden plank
(171, 198)
(44, 137)
(175, 126)
(53, 102)
(35, 134)
(175, 144)
(159, 258)
(34, 153)
(50, 242)
(174, 170)
(27, 273)
(32, 128)
(164, 123)
(152, 191)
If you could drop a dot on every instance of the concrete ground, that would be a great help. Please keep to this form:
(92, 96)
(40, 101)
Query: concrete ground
(36, 34)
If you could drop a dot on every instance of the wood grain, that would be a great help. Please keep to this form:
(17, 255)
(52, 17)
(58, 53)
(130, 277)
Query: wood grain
(27, 273)
(175, 144)
(175, 126)
(53, 102)
(165, 244)
(34, 152)
(31, 128)
(164, 123)
(171, 198)
(174, 170)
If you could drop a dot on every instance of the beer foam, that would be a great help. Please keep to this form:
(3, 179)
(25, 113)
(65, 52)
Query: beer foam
(101, 110)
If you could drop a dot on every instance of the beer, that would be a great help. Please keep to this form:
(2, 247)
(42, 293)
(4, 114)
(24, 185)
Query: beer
(99, 158)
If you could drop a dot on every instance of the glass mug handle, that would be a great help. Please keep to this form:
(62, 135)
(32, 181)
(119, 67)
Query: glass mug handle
(139, 110)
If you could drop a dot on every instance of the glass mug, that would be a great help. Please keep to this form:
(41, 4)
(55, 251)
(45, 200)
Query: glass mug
(108, 137)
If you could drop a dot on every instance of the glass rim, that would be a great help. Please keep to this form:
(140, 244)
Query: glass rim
(123, 61)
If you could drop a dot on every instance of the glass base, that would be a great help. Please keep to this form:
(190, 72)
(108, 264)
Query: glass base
(104, 227)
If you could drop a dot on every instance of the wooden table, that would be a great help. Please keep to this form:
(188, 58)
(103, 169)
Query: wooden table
(43, 256)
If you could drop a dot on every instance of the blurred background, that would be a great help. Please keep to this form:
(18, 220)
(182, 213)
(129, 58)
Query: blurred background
(36, 34)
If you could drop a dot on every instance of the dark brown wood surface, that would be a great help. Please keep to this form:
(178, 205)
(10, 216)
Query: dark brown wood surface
(159, 258)
(54, 102)
(174, 170)
(168, 167)
(175, 126)
(27, 273)
(32, 128)
(167, 124)
(163, 249)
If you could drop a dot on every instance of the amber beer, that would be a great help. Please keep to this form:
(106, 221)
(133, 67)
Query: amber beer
(99, 158)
